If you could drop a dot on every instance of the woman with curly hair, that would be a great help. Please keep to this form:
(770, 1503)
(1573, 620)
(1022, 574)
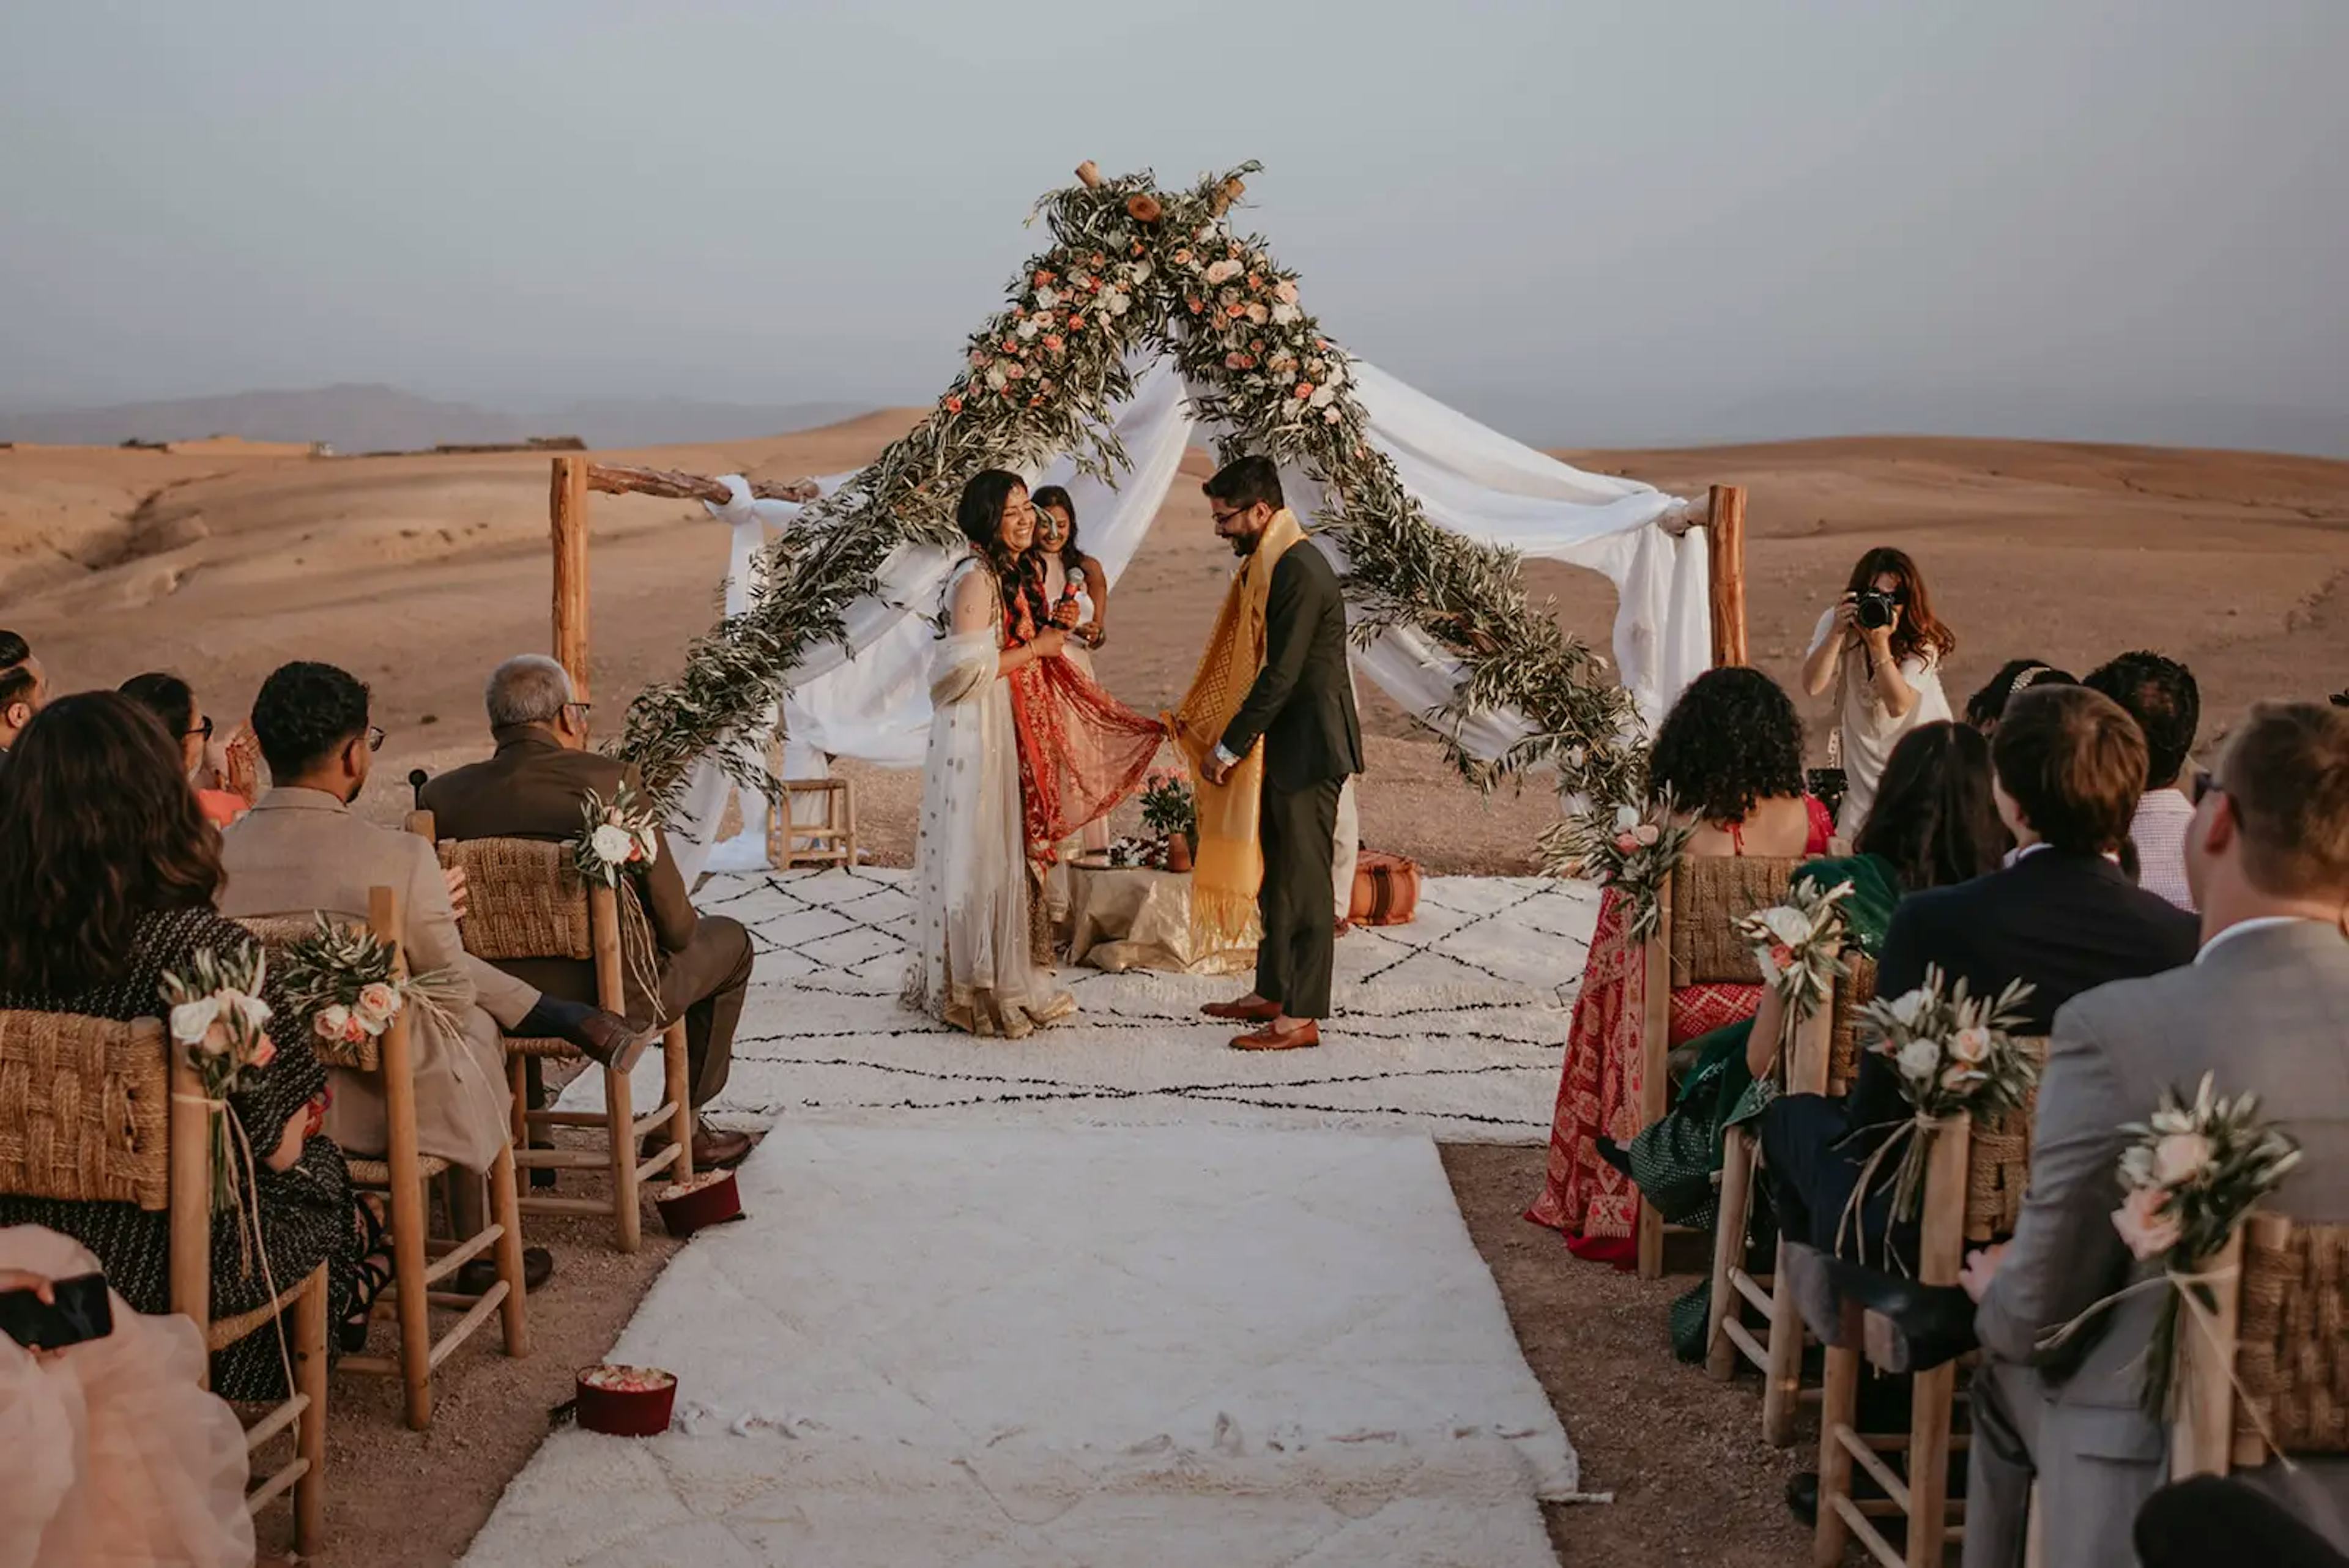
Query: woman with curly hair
(1729, 758)
(1881, 648)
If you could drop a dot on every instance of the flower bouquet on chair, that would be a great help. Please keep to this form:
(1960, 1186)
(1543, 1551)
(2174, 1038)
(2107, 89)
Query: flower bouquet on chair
(616, 840)
(1627, 848)
(1170, 810)
(1799, 946)
(347, 982)
(219, 1019)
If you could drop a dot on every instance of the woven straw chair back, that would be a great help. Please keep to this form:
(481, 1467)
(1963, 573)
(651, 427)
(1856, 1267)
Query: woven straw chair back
(85, 1109)
(1998, 1161)
(1709, 895)
(277, 932)
(1852, 993)
(2291, 1347)
(525, 898)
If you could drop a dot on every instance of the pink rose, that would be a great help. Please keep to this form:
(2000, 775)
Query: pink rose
(332, 1020)
(1781, 955)
(1304, 391)
(1647, 833)
(2179, 1157)
(1285, 291)
(1626, 843)
(376, 1003)
(2144, 1225)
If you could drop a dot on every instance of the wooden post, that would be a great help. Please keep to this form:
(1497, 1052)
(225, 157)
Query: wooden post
(1941, 1255)
(619, 1103)
(397, 1066)
(190, 1265)
(1726, 551)
(1655, 1038)
(567, 515)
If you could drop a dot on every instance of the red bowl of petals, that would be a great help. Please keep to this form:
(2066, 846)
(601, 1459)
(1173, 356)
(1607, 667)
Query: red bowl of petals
(710, 1197)
(626, 1401)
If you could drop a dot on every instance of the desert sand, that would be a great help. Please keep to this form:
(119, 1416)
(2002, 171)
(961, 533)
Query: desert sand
(418, 573)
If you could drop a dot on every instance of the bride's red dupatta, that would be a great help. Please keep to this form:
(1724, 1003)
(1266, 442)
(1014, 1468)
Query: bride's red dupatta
(1081, 750)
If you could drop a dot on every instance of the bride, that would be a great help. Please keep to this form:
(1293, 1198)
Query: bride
(974, 968)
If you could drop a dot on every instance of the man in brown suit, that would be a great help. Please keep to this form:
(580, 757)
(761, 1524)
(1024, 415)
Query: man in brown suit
(532, 789)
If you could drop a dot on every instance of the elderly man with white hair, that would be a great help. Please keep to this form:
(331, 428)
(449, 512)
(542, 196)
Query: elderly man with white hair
(532, 789)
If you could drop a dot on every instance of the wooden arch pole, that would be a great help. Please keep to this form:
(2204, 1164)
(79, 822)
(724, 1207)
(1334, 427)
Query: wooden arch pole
(566, 509)
(1725, 552)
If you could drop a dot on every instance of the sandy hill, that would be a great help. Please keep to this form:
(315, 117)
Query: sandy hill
(421, 572)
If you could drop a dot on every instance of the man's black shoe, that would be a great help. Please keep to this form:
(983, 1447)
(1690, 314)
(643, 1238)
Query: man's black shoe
(475, 1278)
(1911, 1327)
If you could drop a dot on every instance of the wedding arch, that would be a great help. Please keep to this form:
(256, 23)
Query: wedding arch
(1150, 319)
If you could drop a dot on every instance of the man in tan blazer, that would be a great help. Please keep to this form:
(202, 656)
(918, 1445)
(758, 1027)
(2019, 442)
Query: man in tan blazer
(2265, 1009)
(532, 788)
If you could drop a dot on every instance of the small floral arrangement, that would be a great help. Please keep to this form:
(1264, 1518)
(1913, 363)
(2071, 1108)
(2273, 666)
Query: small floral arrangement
(1951, 1053)
(1799, 945)
(2189, 1176)
(217, 1018)
(347, 984)
(616, 840)
(1167, 805)
(1132, 854)
(1625, 848)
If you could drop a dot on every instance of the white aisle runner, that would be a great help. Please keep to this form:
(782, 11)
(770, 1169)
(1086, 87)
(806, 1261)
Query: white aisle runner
(1160, 1346)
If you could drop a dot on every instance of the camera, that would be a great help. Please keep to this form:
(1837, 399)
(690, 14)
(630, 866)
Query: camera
(1873, 609)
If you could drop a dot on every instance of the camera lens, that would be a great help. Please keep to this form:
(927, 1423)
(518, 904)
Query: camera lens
(1873, 610)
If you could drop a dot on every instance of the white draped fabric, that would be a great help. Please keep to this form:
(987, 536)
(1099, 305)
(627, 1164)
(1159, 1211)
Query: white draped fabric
(870, 698)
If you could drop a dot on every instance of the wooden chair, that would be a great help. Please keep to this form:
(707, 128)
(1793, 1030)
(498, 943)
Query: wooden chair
(831, 842)
(2281, 1331)
(97, 1111)
(1825, 1060)
(1695, 942)
(527, 900)
(1975, 1181)
(421, 1263)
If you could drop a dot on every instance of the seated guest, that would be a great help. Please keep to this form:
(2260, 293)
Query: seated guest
(119, 1457)
(173, 702)
(24, 687)
(2219, 1518)
(1730, 753)
(2265, 1007)
(1932, 824)
(107, 873)
(2062, 917)
(301, 850)
(532, 789)
(1985, 706)
(2160, 695)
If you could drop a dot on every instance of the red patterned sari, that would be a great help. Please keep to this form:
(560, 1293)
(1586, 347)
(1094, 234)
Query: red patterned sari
(1594, 1204)
(1081, 750)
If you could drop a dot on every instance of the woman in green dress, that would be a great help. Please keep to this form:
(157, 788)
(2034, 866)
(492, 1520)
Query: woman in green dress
(1932, 824)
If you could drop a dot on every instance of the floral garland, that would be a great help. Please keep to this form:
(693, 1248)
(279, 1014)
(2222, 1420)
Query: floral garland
(1135, 269)
(1628, 848)
(1799, 945)
(1952, 1055)
(347, 982)
(2190, 1176)
(621, 840)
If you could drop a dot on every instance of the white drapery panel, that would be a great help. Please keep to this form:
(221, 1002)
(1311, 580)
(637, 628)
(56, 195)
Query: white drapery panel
(868, 697)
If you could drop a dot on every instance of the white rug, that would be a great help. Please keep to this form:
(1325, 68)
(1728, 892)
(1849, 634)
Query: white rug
(1454, 1025)
(1156, 1347)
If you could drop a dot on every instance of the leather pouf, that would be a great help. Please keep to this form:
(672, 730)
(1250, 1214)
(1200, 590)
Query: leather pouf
(1386, 890)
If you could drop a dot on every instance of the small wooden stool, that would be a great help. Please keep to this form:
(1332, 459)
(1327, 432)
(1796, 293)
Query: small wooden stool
(831, 842)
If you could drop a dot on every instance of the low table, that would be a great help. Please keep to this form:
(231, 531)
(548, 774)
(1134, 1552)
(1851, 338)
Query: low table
(1123, 918)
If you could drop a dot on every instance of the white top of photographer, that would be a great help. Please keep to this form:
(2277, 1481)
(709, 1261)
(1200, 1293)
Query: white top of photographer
(1870, 730)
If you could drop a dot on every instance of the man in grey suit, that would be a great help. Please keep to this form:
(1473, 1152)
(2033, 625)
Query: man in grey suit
(2265, 1007)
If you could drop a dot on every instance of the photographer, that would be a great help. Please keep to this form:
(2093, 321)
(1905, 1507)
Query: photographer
(1882, 649)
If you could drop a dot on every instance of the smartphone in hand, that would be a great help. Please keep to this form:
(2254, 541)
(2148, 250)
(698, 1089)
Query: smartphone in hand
(81, 1310)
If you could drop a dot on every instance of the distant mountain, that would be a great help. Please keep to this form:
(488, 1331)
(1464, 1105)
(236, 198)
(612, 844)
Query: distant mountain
(353, 419)
(664, 421)
(349, 418)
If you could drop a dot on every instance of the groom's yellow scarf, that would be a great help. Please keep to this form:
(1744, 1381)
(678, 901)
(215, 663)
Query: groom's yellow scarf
(1230, 867)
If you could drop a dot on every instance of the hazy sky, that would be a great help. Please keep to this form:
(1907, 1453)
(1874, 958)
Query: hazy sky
(1590, 221)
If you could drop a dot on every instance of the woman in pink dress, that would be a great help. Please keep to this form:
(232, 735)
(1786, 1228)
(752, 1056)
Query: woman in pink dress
(1731, 753)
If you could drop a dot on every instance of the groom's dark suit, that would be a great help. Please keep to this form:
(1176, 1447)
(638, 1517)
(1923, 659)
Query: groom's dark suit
(1302, 706)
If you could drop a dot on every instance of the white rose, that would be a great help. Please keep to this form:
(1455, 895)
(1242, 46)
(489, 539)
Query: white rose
(996, 379)
(333, 1020)
(1287, 316)
(1909, 1006)
(1919, 1060)
(1139, 272)
(1324, 395)
(1285, 374)
(1330, 416)
(1787, 925)
(191, 1019)
(2179, 1157)
(1028, 327)
(1223, 270)
(254, 1011)
(1335, 375)
(612, 842)
(1207, 232)
(1627, 817)
(1114, 302)
(1045, 299)
(1256, 313)
(649, 842)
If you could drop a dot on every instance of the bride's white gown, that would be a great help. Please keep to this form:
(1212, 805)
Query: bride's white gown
(974, 968)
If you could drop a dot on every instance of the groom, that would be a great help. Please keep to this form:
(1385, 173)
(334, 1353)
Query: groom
(1301, 707)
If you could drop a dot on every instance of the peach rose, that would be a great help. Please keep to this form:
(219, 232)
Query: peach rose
(2141, 1219)
(954, 404)
(1626, 843)
(1143, 208)
(1052, 341)
(263, 1054)
(1285, 291)
(332, 1019)
(1304, 391)
(2179, 1157)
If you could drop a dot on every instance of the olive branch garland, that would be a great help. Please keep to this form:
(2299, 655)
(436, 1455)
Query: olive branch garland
(1134, 269)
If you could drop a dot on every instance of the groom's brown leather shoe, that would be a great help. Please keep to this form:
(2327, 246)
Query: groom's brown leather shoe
(1243, 1011)
(1271, 1039)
